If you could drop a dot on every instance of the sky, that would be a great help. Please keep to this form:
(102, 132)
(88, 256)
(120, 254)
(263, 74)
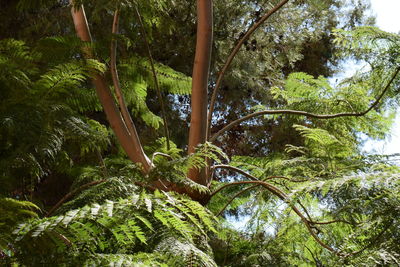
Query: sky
(387, 19)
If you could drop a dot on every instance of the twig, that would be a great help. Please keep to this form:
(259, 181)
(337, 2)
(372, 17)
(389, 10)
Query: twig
(72, 193)
(285, 178)
(235, 196)
(153, 70)
(373, 242)
(304, 113)
(311, 221)
(232, 56)
(277, 192)
(159, 154)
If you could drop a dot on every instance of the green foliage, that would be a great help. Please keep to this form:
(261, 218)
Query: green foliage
(160, 223)
(175, 169)
(50, 129)
(137, 77)
(45, 141)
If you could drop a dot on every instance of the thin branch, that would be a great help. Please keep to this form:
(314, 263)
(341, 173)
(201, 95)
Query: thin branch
(72, 193)
(373, 242)
(235, 196)
(223, 166)
(232, 56)
(277, 192)
(285, 178)
(280, 194)
(311, 221)
(114, 74)
(153, 70)
(159, 154)
(304, 113)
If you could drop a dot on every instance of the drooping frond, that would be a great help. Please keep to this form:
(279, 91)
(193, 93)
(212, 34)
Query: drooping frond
(172, 82)
(128, 225)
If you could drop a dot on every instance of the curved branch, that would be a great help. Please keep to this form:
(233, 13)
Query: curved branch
(153, 70)
(235, 196)
(159, 154)
(311, 221)
(129, 141)
(114, 74)
(223, 166)
(373, 242)
(277, 192)
(304, 113)
(280, 194)
(232, 56)
(285, 178)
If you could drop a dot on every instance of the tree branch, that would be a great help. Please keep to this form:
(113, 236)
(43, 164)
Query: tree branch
(277, 192)
(129, 141)
(373, 242)
(153, 70)
(232, 56)
(114, 74)
(235, 196)
(304, 113)
(201, 67)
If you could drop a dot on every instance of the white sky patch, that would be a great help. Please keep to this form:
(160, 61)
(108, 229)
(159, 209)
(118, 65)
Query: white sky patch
(387, 13)
(388, 19)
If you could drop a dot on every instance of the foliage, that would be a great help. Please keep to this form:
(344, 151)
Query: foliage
(159, 223)
(56, 146)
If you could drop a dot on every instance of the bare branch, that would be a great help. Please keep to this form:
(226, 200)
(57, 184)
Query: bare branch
(153, 70)
(304, 113)
(232, 56)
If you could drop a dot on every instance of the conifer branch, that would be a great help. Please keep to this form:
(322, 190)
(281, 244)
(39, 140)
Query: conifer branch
(306, 114)
(153, 70)
(232, 56)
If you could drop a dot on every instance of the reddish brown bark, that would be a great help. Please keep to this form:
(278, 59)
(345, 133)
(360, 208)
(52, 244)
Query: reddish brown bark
(201, 67)
(129, 140)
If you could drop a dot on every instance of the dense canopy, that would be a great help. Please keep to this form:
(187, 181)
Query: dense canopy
(196, 133)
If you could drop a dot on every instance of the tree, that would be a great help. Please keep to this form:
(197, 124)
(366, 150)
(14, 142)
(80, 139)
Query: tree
(295, 94)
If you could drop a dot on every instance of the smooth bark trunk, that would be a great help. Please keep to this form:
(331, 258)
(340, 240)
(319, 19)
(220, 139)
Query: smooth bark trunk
(129, 140)
(201, 68)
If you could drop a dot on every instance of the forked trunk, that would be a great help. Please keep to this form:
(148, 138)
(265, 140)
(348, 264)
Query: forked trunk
(124, 130)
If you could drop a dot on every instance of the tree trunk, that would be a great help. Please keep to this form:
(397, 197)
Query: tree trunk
(129, 140)
(198, 121)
